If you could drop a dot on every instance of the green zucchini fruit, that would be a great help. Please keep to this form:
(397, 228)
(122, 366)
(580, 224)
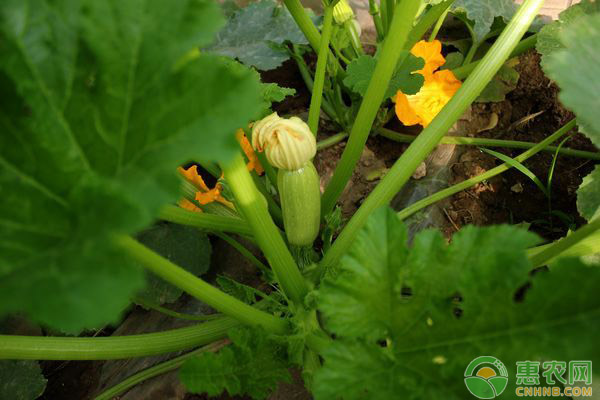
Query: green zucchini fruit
(300, 195)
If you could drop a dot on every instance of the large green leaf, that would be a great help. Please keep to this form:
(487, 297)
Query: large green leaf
(361, 69)
(21, 380)
(408, 320)
(548, 40)
(483, 12)
(185, 246)
(588, 195)
(94, 120)
(251, 365)
(252, 35)
(576, 69)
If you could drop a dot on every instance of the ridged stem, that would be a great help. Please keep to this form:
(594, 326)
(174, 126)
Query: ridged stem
(202, 220)
(198, 288)
(442, 194)
(430, 137)
(317, 93)
(388, 59)
(469, 141)
(113, 347)
(268, 237)
(562, 245)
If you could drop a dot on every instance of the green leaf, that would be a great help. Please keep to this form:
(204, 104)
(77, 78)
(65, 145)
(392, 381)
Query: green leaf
(408, 320)
(483, 12)
(360, 71)
(588, 195)
(576, 69)
(252, 365)
(453, 60)
(21, 380)
(549, 41)
(252, 35)
(185, 246)
(504, 82)
(95, 120)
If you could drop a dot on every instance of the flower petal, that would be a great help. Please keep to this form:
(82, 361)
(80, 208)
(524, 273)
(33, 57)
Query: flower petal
(431, 52)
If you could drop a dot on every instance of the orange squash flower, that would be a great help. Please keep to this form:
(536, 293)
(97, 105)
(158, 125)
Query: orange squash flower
(437, 90)
(204, 195)
(253, 162)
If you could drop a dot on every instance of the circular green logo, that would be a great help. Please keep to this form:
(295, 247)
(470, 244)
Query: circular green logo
(486, 377)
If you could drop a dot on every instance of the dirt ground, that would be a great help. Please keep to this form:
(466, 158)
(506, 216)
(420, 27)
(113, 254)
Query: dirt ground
(529, 113)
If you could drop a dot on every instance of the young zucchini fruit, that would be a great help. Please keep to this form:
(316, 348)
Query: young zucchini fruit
(300, 203)
(290, 146)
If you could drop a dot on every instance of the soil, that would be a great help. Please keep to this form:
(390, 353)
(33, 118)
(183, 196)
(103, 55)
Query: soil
(509, 198)
(512, 197)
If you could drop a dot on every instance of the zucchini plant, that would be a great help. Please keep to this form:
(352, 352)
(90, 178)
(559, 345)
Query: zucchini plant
(103, 101)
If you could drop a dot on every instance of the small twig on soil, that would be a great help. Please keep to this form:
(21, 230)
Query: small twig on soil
(451, 220)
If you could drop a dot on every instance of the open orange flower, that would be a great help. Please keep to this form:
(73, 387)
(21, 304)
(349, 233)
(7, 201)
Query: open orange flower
(253, 162)
(437, 90)
(204, 195)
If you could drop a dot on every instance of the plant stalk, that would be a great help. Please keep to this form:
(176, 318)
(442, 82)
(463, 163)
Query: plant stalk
(317, 94)
(469, 141)
(265, 231)
(430, 137)
(113, 347)
(389, 58)
(202, 220)
(198, 288)
(524, 45)
(442, 194)
(564, 244)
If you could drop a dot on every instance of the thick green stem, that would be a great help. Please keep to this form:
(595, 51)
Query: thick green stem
(317, 93)
(430, 137)
(307, 27)
(265, 231)
(198, 288)
(113, 347)
(442, 194)
(390, 55)
(211, 222)
(524, 45)
(469, 141)
(269, 170)
(274, 208)
(304, 22)
(156, 370)
(556, 248)
(586, 247)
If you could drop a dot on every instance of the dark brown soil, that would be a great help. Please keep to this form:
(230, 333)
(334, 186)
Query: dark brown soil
(512, 197)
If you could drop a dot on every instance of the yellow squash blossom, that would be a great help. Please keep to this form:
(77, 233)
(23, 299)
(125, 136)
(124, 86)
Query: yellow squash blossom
(204, 195)
(438, 87)
(253, 162)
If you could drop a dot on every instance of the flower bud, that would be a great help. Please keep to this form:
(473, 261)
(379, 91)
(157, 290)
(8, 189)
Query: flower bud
(342, 12)
(287, 143)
